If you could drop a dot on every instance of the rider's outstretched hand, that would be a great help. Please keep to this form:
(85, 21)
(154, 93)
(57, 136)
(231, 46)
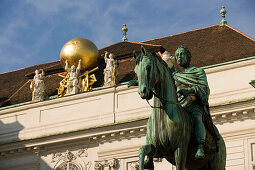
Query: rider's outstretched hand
(132, 83)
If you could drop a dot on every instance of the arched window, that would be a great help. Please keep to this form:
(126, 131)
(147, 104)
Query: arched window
(68, 166)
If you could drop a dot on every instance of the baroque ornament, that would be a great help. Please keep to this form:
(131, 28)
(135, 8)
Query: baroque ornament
(124, 31)
(69, 156)
(133, 165)
(223, 13)
(110, 164)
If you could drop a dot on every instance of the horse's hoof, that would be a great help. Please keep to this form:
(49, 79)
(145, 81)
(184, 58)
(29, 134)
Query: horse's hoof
(200, 154)
(148, 165)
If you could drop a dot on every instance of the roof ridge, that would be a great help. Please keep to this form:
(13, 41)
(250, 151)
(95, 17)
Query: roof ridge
(44, 68)
(240, 32)
(110, 45)
(27, 67)
(133, 42)
(145, 43)
(180, 33)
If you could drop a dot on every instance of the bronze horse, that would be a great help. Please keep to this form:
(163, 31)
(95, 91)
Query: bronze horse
(169, 129)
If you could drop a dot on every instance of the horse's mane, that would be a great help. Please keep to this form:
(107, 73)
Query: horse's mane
(155, 56)
(161, 61)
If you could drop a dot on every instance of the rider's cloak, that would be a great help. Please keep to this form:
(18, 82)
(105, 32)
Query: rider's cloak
(196, 78)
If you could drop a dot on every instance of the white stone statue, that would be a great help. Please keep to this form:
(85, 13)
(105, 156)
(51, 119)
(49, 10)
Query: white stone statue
(74, 81)
(110, 71)
(168, 59)
(37, 86)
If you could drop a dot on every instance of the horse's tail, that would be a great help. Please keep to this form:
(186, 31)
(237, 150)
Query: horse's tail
(218, 161)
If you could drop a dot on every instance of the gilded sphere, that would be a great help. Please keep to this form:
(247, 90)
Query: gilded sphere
(79, 48)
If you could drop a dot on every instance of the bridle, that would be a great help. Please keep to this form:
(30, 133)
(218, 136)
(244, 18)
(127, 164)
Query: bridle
(155, 94)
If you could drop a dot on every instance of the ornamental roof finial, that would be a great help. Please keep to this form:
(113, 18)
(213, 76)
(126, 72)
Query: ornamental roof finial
(124, 30)
(223, 12)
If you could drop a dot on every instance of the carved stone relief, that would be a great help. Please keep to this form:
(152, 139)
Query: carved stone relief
(110, 164)
(132, 165)
(71, 157)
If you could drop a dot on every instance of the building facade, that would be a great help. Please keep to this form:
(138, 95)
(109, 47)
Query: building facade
(104, 128)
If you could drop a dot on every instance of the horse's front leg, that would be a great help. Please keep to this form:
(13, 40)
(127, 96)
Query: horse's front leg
(143, 151)
(180, 156)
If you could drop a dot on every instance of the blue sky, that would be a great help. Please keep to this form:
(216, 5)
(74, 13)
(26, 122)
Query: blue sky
(34, 31)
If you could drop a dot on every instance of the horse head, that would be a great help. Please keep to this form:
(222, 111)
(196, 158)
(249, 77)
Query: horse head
(145, 71)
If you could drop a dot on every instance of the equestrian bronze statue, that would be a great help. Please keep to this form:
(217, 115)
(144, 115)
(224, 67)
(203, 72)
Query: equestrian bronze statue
(180, 128)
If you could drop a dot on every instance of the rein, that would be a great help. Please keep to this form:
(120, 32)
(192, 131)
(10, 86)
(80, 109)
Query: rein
(168, 101)
(160, 98)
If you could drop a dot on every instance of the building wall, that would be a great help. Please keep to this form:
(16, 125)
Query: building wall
(106, 127)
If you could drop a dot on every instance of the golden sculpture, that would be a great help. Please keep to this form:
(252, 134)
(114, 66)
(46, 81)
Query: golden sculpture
(88, 80)
(85, 51)
(80, 48)
(86, 83)
(63, 85)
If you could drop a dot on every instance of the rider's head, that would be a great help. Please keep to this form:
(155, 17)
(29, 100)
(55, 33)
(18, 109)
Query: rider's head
(73, 68)
(183, 56)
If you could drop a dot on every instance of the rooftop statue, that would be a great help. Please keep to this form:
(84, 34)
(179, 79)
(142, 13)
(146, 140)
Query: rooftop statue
(82, 54)
(168, 59)
(175, 129)
(110, 70)
(74, 81)
(37, 86)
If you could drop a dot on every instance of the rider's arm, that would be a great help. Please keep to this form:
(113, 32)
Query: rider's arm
(187, 91)
(132, 83)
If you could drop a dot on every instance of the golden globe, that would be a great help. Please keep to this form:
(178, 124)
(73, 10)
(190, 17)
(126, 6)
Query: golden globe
(79, 48)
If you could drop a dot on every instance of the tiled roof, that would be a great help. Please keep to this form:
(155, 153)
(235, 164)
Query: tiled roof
(125, 49)
(210, 45)
(15, 84)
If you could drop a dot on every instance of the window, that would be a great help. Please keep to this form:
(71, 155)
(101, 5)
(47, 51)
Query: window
(68, 166)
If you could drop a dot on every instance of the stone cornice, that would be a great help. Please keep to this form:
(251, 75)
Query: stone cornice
(230, 65)
(233, 112)
(230, 113)
(97, 137)
(32, 105)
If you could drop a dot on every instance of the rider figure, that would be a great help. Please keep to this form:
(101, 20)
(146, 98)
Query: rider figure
(193, 92)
